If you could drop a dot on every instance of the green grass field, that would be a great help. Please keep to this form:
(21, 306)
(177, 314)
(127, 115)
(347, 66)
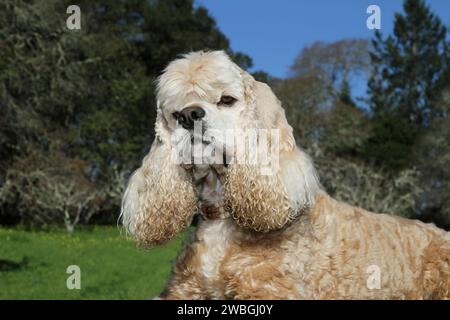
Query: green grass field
(33, 264)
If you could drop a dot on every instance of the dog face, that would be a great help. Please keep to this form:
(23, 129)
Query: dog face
(204, 87)
(208, 89)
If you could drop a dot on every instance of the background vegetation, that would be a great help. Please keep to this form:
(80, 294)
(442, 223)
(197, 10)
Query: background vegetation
(33, 265)
(77, 110)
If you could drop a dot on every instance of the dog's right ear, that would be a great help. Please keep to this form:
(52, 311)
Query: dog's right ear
(160, 198)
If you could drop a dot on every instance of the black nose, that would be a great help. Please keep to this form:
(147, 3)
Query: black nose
(188, 115)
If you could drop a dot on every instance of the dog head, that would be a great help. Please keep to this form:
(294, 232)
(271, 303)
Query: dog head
(204, 96)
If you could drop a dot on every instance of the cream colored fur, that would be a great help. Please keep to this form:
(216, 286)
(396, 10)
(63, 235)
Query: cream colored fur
(278, 236)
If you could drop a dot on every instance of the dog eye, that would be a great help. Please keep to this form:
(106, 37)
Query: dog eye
(227, 101)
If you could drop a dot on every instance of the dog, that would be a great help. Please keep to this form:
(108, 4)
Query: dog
(264, 236)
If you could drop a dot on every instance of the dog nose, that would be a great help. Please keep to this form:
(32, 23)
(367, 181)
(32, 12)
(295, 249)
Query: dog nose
(188, 115)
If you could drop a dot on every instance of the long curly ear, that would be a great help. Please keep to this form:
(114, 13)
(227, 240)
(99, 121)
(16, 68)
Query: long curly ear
(271, 115)
(160, 198)
(265, 202)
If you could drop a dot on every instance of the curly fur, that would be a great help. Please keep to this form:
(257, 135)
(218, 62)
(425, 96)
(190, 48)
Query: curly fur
(160, 198)
(276, 236)
(257, 202)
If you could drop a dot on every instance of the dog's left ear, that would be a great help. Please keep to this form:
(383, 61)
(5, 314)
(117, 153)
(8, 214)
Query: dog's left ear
(265, 202)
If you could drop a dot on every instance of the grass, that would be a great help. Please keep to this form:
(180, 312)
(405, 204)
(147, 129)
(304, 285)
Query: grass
(33, 264)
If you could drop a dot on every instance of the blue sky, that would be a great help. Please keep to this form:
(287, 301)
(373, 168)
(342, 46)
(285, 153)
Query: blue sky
(273, 32)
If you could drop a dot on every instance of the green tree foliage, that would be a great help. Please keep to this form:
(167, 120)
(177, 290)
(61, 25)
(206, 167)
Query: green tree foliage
(86, 95)
(409, 71)
(68, 91)
(432, 157)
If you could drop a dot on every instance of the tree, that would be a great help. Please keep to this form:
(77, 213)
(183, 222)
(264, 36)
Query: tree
(88, 95)
(432, 158)
(329, 124)
(345, 94)
(50, 190)
(61, 90)
(174, 27)
(319, 93)
(302, 98)
(409, 71)
(333, 63)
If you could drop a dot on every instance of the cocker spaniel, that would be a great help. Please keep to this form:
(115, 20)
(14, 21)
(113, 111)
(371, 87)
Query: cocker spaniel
(268, 229)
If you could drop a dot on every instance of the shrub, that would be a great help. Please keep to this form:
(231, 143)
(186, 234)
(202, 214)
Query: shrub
(50, 190)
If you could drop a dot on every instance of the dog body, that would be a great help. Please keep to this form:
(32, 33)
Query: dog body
(268, 234)
(334, 252)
